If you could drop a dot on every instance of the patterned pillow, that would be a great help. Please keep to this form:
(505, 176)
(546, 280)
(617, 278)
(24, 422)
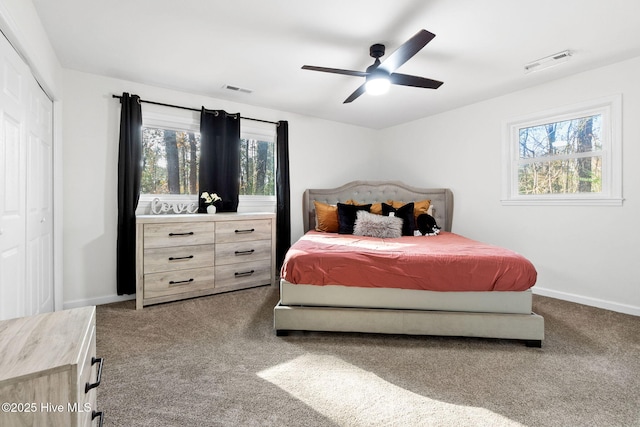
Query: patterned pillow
(372, 225)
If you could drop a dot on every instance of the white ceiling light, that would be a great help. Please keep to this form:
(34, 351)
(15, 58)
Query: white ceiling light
(377, 85)
(547, 61)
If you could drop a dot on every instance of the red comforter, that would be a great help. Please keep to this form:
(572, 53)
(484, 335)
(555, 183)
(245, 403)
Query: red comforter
(446, 262)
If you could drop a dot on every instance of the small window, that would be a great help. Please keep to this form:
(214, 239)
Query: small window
(566, 156)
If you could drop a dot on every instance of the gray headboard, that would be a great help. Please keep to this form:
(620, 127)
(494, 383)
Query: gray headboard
(379, 191)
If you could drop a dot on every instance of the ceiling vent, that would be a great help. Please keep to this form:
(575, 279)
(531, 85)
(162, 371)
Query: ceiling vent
(237, 89)
(547, 61)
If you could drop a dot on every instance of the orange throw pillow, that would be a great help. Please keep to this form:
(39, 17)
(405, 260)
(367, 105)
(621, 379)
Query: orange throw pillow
(326, 217)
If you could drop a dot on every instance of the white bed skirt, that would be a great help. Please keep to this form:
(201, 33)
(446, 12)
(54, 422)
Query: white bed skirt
(408, 299)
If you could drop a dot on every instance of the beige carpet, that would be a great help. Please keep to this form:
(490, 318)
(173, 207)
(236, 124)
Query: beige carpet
(215, 361)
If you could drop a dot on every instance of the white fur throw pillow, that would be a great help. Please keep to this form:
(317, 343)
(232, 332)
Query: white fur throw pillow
(372, 225)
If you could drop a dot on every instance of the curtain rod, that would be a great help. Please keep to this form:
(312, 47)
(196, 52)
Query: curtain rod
(194, 109)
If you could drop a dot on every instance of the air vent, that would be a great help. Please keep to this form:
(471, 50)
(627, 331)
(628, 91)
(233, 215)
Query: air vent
(547, 62)
(237, 89)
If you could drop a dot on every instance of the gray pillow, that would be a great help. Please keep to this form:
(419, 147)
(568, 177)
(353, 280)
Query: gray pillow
(372, 225)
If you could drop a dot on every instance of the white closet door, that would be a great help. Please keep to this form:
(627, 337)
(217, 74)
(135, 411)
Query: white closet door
(39, 280)
(26, 229)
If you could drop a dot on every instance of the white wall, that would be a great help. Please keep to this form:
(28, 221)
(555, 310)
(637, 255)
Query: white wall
(586, 254)
(322, 154)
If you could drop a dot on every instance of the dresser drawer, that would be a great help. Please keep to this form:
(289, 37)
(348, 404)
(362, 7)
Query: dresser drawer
(178, 234)
(257, 272)
(242, 231)
(178, 258)
(177, 282)
(232, 253)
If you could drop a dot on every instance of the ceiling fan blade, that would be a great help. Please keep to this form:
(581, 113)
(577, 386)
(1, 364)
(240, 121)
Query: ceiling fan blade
(355, 94)
(415, 81)
(335, 71)
(406, 51)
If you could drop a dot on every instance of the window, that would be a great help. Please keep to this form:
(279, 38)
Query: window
(170, 161)
(171, 156)
(566, 156)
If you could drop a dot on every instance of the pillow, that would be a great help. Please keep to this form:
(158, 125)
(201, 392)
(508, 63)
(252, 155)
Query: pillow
(376, 208)
(406, 213)
(421, 207)
(427, 225)
(347, 216)
(326, 217)
(372, 225)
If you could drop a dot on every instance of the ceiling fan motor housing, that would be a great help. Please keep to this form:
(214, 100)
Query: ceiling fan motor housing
(376, 51)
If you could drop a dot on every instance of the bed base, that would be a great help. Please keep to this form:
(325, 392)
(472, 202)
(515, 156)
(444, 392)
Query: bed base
(526, 327)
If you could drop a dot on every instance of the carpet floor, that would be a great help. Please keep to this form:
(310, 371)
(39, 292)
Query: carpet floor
(215, 361)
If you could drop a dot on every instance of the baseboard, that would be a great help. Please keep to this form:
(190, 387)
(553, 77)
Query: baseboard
(97, 301)
(593, 302)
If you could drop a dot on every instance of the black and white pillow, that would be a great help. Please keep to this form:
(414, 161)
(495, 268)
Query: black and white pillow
(427, 225)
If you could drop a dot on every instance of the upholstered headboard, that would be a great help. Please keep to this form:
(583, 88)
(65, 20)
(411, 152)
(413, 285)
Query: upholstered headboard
(379, 191)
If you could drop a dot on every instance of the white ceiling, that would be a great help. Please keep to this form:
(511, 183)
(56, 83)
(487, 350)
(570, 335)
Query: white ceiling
(198, 46)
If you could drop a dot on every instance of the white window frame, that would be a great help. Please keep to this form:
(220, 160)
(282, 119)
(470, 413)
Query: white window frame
(190, 121)
(611, 110)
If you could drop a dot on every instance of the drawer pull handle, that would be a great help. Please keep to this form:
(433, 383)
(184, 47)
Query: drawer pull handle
(249, 252)
(190, 233)
(176, 258)
(251, 230)
(245, 273)
(95, 414)
(178, 282)
(95, 360)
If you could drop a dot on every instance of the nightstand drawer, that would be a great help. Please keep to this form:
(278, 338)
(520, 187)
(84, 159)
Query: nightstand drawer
(242, 231)
(177, 282)
(177, 258)
(233, 253)
(178, 234)
(258, 272)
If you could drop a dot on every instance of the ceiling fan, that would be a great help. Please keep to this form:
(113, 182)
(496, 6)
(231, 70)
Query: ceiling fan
(380, 75)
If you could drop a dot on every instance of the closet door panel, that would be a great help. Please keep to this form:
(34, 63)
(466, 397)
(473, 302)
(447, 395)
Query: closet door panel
(26, 175)
(13, 78)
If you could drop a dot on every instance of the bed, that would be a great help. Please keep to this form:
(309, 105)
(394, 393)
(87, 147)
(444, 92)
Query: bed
(313, 298)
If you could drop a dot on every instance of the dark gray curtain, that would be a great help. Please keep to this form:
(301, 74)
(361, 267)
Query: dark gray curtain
(283, 212)
(220, 158)
(129, 172)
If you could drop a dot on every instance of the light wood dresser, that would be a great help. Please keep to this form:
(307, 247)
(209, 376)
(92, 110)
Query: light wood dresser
(190, 255)
(49, 371)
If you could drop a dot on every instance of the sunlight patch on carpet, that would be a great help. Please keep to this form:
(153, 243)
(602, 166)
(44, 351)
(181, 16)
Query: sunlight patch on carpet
(352, 396)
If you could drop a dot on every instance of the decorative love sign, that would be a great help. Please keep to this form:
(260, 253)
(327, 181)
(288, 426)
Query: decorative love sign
(159, 207)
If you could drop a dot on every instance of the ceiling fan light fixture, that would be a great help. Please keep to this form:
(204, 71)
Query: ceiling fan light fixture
(377, 85)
